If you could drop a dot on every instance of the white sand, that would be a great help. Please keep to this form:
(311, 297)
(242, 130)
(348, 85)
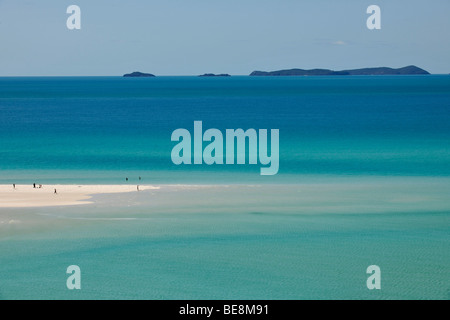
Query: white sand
(26, 196)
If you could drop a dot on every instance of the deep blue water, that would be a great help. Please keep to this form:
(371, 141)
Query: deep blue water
(100, 129)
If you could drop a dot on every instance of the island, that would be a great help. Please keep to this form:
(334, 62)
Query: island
(215, 75)
(138, 74)
(409, 70)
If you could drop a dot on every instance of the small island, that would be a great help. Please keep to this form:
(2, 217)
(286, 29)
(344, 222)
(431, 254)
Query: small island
(215, 75)
(138, 74)
(409, 70)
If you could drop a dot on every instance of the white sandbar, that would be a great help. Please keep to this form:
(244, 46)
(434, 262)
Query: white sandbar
(24, 196)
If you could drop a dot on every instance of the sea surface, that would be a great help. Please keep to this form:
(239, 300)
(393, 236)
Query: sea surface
(364, 179)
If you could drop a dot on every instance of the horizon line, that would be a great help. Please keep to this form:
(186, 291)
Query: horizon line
(200, 76)
(218, 75)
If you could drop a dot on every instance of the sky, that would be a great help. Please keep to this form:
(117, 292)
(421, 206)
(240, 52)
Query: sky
(192, 37)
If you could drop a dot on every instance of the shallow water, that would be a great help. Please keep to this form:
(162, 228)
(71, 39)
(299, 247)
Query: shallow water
(270, 242)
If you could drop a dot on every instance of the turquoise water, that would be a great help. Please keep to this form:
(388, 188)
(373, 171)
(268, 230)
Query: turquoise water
(364, 179)
(98, 130)
(237, 242)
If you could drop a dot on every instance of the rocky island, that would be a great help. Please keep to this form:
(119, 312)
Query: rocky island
(409, 70)
(138, 74)
(215, 75)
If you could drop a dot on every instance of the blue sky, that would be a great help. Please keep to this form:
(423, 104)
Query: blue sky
(190, 37)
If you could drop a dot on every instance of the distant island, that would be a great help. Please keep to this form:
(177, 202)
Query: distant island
(409, 70)
(215, 75)
(137, 74)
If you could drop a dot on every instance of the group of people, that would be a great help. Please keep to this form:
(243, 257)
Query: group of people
(40, 186)
(137, 187)
(126, 179)
(34, 187)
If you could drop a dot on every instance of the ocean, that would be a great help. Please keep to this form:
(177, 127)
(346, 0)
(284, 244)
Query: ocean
(364, 179)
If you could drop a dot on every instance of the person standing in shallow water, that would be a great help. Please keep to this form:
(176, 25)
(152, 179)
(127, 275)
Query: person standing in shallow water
(126, 179)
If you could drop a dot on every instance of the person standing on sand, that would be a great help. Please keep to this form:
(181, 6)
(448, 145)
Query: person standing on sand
(34, 185)
(55, 192)
(14, 185)
(138, 188)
